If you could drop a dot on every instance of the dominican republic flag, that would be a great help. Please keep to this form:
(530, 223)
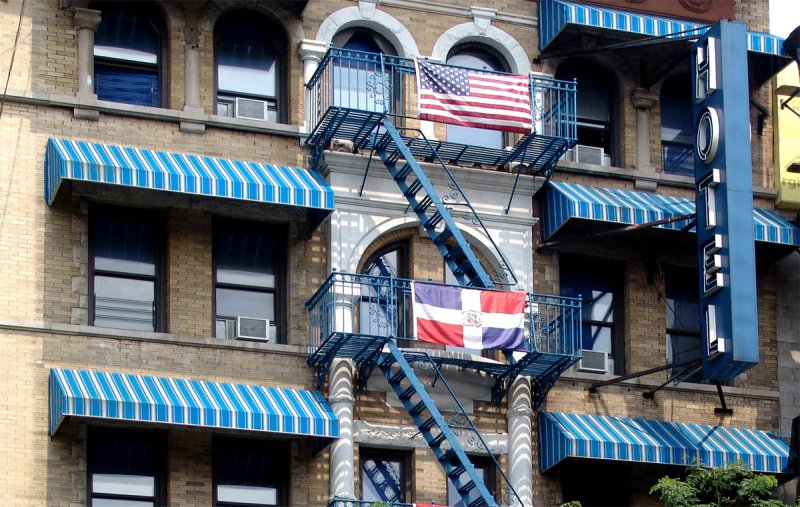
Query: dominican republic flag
(474, 98)
(472, 318)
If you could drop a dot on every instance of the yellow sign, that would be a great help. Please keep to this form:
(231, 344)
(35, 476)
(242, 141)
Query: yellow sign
(787, 138)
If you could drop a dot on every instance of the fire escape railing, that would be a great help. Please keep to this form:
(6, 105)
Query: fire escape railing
(351, 91)
(381, 307)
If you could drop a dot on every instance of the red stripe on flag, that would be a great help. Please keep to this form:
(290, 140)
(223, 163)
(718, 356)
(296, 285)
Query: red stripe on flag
(439, 332)
(503, 302)
(488, 125)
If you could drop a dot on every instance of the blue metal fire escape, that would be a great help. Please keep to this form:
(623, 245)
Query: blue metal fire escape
(363, 98)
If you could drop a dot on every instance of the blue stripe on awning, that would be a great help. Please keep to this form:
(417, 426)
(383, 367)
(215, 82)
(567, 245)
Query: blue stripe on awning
(565, 201)
(563, 436)
(556, 15)
(167, 400)
(181, 172)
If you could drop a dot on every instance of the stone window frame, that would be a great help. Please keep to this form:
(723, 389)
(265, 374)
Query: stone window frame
(403, 458)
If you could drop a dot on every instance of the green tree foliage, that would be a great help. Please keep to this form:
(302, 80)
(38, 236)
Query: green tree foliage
(733, 485)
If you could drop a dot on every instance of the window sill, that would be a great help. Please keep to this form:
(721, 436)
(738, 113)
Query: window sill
(145, 336)
(153, 113)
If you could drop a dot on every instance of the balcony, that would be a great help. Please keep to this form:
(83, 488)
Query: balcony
(353, 91)
(355, 315)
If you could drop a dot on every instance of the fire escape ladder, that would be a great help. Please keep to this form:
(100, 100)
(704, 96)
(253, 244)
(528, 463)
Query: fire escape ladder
(440, 436)
(434, 213)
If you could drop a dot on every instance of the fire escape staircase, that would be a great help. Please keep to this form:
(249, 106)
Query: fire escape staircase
(432, 211)
(400, 149)
(436, 430)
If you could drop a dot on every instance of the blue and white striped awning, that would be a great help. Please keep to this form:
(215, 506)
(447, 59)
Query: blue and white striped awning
(66, 159)
(166, 400)
(566, 201)
(563, 436)
(556, 16)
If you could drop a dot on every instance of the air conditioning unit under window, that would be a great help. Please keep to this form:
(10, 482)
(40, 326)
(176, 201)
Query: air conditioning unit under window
(583, 154)
(593, 361)
(251, 109)
(250, 328)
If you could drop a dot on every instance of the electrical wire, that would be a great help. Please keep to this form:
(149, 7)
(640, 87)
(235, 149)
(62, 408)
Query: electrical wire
(13, 55)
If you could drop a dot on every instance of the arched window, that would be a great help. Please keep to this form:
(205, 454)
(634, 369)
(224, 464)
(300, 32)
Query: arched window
(480, 58)
(359, 70)
(128, 49)
(596, 109)
(677, 154)
(250, 59)
(385, 310)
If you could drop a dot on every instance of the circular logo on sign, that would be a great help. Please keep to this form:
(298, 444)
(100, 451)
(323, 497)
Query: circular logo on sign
(472, 318)
(707, 140)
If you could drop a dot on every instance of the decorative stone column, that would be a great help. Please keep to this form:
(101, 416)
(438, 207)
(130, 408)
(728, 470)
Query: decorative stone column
(86, 22)
(520, 446)
(341, 400)
(191, 88)
(643, 100)
(311, 54)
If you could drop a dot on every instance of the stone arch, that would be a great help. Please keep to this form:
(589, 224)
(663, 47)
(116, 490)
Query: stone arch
(497, 39)
(372, 240)
(274, 10)
(374, 19)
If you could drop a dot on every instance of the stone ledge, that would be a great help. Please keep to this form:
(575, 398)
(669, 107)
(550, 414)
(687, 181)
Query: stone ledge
(144, 336)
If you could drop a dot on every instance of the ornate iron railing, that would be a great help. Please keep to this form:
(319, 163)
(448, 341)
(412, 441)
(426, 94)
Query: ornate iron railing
(350, 303)
(380, 83)
(361, 80)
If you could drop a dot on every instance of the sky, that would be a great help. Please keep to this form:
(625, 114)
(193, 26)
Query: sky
(784, 16)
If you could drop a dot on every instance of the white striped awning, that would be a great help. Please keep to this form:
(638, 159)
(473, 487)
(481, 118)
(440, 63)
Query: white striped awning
(67, 159)
(563, 436)
(567, 201)
(560, 19)
(167, 400)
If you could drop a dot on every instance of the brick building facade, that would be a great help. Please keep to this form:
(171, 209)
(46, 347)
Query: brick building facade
(175, 77)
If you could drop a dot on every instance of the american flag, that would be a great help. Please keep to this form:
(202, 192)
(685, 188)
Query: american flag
(474, 98)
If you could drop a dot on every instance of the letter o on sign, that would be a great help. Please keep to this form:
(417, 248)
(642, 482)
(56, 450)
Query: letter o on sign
(707, 140)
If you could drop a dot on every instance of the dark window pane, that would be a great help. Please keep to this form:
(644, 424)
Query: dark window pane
(124, 303)
(244, 303)
(361, 41)
(247, 57)
(244, 258)
(123, 245)
(381, 480)
(127, 29)
(124, 464)
(248, 472)
(599, 286)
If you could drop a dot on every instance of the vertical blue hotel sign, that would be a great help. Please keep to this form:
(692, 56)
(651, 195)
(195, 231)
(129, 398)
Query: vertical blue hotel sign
(723, 173)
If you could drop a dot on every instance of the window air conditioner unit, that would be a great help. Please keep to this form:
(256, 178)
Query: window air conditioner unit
(593, 361)
(250, 328)
(590, 155)
(251, 109)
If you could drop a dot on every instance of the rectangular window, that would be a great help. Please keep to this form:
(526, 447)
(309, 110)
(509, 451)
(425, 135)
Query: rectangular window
(383, 476)
(126, 263)
(485, 471)
(248, 273)
(126, 467)
(250, 472)
(683, 318)
(599, 284)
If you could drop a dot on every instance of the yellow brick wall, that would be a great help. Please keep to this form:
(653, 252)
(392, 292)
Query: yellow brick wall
(28, 356)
